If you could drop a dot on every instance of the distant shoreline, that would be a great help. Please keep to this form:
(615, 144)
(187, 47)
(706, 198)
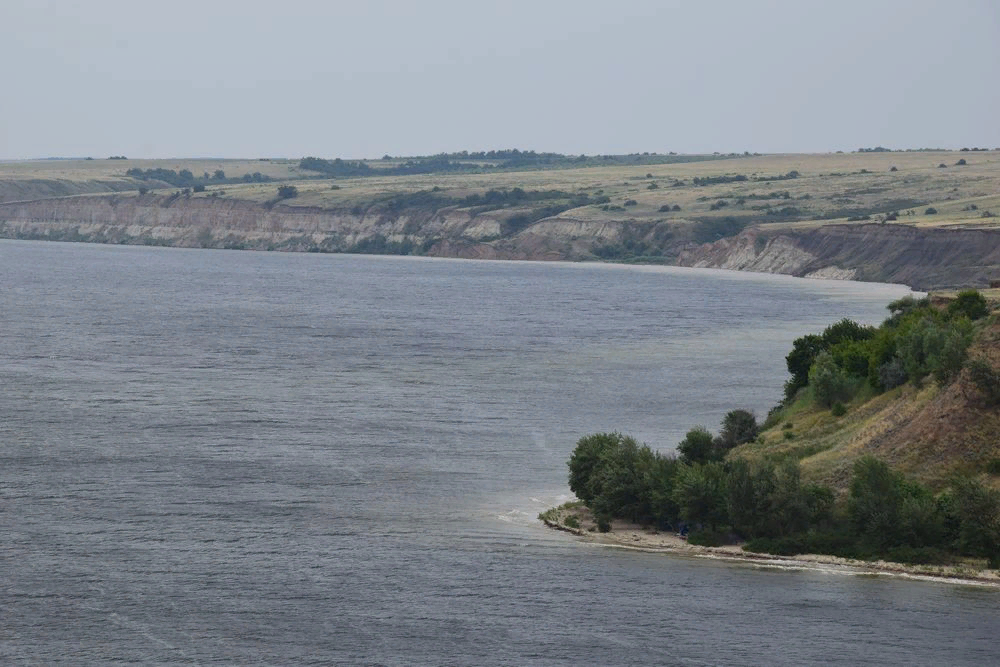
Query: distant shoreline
(625, 535)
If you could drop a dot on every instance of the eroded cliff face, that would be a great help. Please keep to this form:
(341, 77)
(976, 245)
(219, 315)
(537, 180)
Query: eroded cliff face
(922, 258)
(207, 222)
(919, 257)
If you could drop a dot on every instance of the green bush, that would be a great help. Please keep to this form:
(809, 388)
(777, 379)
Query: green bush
(572, 522)
(834, 543)
(930, 346)
(969, 303)
(586, 460)
(978, 510)
(700, 493)
(615, 476)
(838, 409)
(738, 427)
(698, 446)
(708, 538)
(828, 381)
(287, 191)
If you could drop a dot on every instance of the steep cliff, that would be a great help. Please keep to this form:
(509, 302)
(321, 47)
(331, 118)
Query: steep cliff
(215, 222)
(924, 258)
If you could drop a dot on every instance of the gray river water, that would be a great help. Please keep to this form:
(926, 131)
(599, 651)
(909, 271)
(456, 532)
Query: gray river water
(212, 457)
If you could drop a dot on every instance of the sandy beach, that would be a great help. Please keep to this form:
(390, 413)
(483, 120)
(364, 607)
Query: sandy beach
(626, 535)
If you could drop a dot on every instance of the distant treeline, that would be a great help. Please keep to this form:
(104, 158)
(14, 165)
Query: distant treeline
(883, 149)
(490, 200)
(338, 168)
(185, 178)
(739, 178)
(512, 159)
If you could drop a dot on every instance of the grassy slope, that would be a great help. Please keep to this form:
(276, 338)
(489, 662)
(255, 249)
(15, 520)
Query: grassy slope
(830, 184)
(928, 433)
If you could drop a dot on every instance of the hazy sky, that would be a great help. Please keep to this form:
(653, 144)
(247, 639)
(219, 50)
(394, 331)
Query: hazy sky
(364, 78)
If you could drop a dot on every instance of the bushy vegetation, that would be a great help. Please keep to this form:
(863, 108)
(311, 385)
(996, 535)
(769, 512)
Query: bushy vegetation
(716, 180)
(710, 489)
(917, 341)
(485, 161)
(885, 515)
(186, 179)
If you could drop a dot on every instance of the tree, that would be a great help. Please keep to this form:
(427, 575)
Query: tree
(800, 360)
(659, 483)
(748, 494)
(585, 460)
(969, 303)
(287, 191)
(700, 493)
(846, 329)
(828, 381)
(930, 346)
(738, 427)
(874, 502)
(219, 175)
(698, 446)
(978, 510)
(623, 481)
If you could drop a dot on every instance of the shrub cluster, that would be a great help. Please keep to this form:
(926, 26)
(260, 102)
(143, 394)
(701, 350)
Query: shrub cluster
(915, 342)
(716, 180)
(885, 515)
(185, 178)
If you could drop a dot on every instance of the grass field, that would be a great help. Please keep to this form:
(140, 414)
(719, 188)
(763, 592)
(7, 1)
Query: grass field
(829, 188)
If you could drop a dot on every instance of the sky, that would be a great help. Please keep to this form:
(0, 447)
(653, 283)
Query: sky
(216, 78)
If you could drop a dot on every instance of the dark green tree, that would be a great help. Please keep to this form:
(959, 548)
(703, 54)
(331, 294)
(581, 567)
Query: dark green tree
(800, 360)
(978, 510)
(829, 382)
(700, 494)
(585, 461)
(969, 303)
(698, 446)
(738, 427)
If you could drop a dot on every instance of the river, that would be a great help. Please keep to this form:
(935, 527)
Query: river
(223, 457)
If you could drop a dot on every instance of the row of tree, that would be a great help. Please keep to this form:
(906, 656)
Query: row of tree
(885, 515)
(185, 178)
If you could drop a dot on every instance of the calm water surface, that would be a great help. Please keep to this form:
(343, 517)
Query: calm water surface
(212, 457)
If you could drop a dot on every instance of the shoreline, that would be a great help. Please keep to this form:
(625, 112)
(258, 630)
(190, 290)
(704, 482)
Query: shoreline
(633, 537)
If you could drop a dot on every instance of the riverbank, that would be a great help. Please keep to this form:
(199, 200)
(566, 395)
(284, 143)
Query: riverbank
(576, 519)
